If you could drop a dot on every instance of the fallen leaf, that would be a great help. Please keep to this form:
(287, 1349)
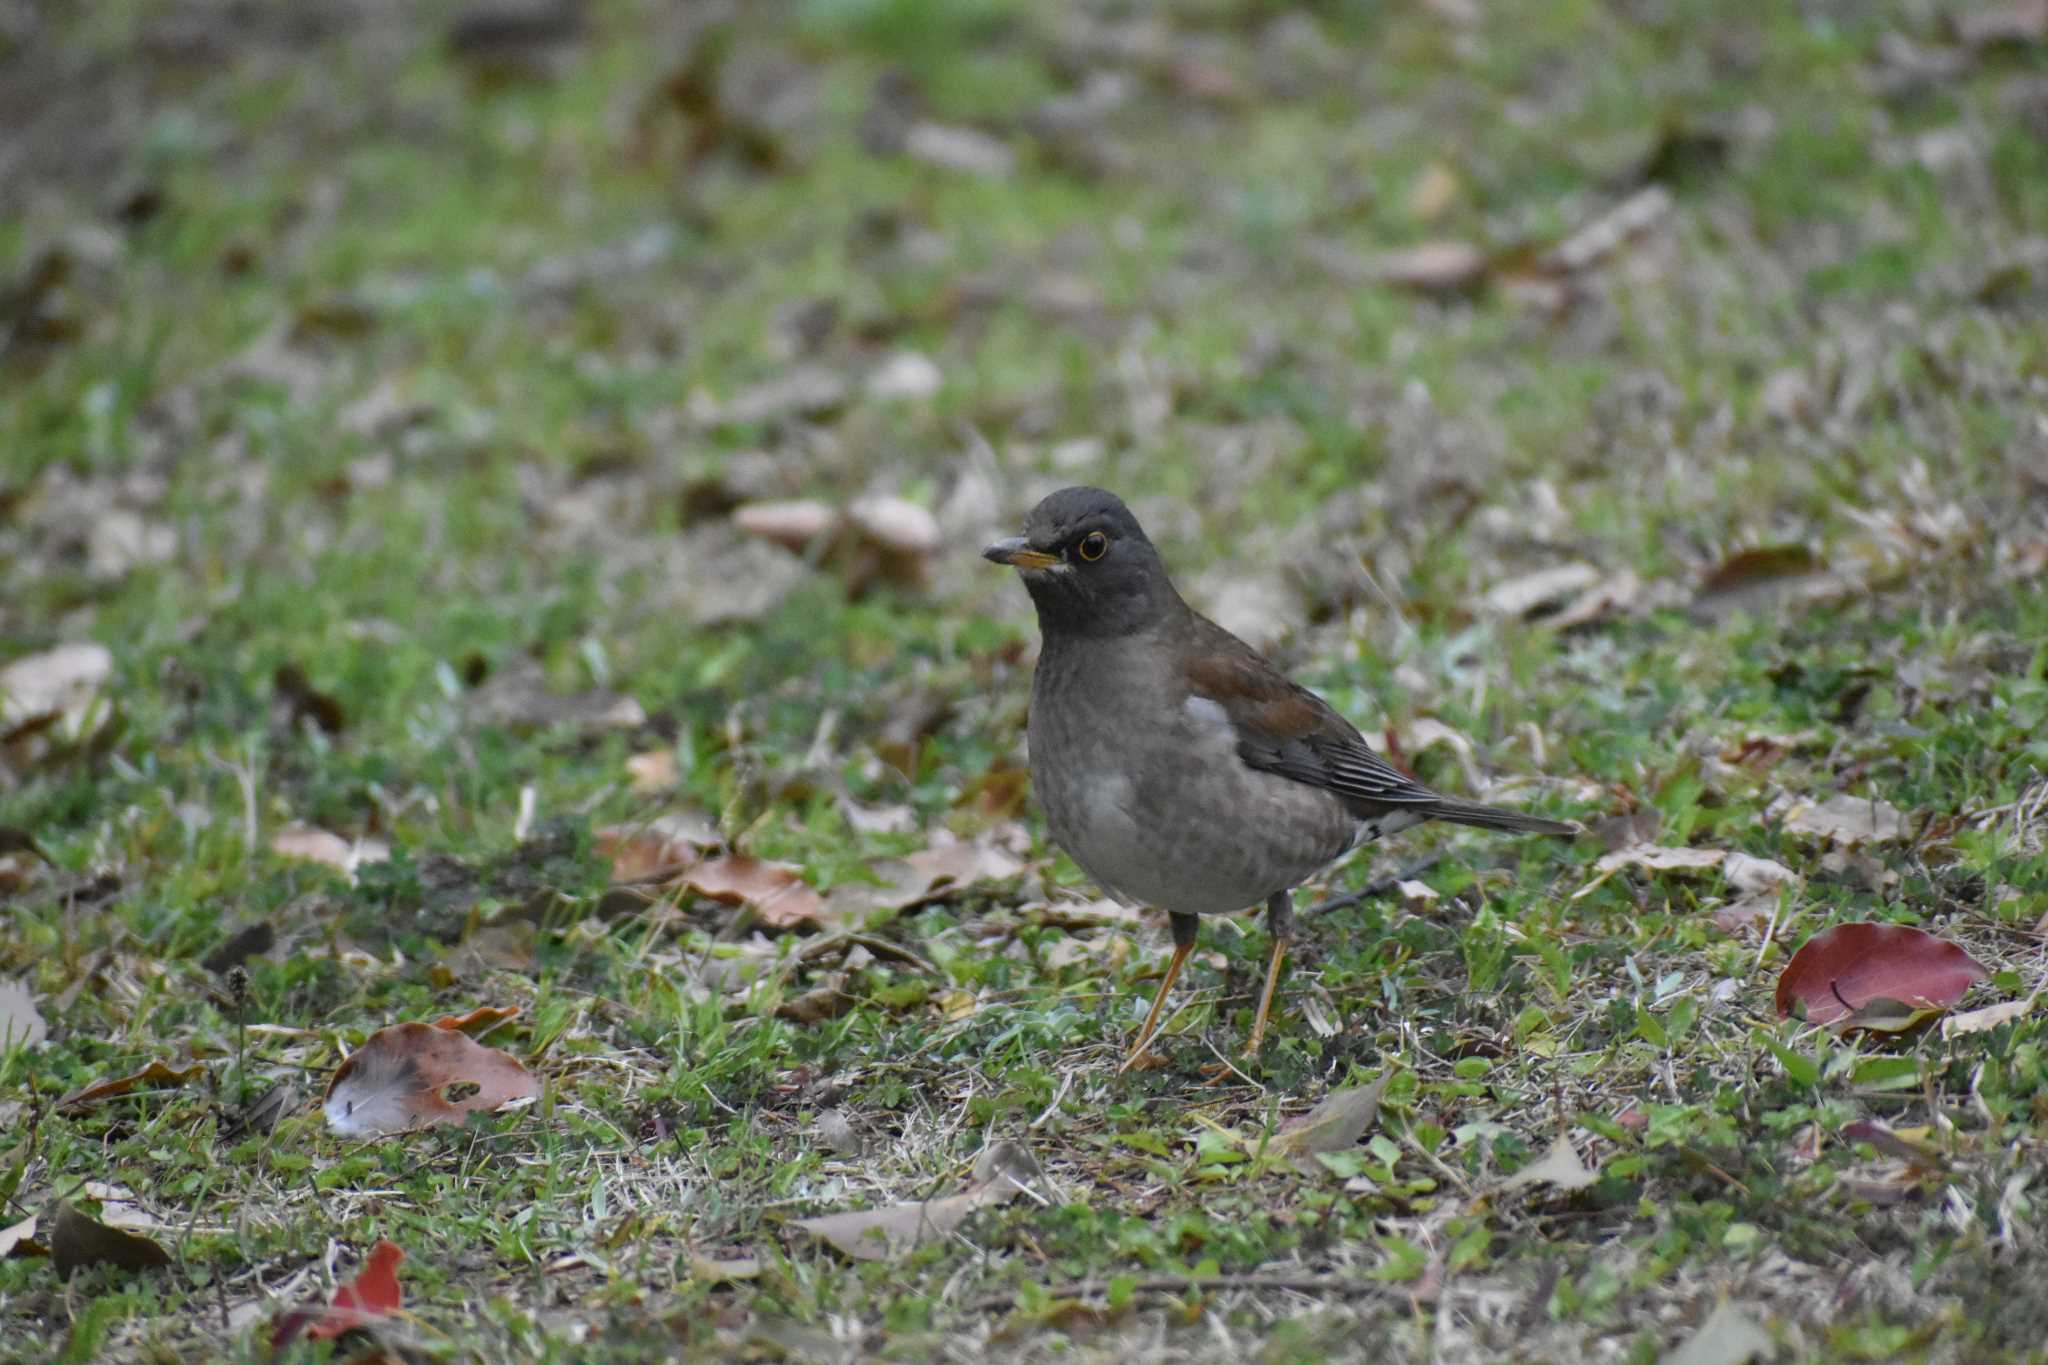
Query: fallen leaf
(1749, 578)
(1432, 268)
(653, 772)
(1003, 1171)
(18, 1239)
(1524, 593)
(1988, 1018)
(826, 1000)
(1846, 819)
(396, 1081)
(1841, 969)
(774, 891)
(157, 1073)
(1748, 873)
(1885, 1015)
(835, 1133)
(21, 1024)
(1602, 237)
(1891, 1143)
(1658, 858)
(305, 843)
(372, 1295)
(1334, 1125)
(656, 849)
(1640, 826)
(517, 697)
(480, 1021)
(59, 684)
(1729, 1336)
(792, 524)
(77, 1242)
(1745, 913)
(1559, 1168)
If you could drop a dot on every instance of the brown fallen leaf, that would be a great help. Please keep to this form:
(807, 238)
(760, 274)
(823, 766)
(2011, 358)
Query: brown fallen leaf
(776, 892)
(1751, 579)
(1846, 819)
(21, 1024)
(482, 1020)
(656, 849)
(402, 1076)
(1841, 970)
(157, 1073)
(77, 1242)
(1334, 1125)
(1003, 1171)
(1559, 1168)
(826, 1000)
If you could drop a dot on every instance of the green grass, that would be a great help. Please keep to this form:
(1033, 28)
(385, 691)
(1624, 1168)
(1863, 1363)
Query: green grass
(550, 298)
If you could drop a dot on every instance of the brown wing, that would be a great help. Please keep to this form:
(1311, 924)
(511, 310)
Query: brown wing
(1286, 729)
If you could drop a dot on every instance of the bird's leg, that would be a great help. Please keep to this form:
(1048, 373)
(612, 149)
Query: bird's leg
(1279, 923)
(1185, 928)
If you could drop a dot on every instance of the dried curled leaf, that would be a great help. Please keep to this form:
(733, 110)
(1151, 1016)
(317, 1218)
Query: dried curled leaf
(415, 1075)
(1334, 1125)
(157, 1073)
(892, 1231)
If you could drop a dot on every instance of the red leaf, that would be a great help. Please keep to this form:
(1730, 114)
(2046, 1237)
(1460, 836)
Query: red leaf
(372, 1294)
(1839, 970)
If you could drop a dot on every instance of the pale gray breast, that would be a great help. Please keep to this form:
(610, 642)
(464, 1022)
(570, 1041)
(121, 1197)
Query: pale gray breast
(1142, 786)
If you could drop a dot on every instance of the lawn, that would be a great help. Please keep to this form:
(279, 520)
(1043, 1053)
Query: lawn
(490, 512)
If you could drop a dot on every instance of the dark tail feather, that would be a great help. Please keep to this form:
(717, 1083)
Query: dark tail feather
(1495, 817)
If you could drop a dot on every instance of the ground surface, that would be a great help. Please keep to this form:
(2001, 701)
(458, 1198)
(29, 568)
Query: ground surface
(388, 397)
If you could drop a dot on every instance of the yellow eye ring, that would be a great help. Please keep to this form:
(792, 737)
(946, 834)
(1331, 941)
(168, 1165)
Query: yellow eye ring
(1093, 546)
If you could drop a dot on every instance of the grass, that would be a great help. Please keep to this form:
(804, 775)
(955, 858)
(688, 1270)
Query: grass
(412, 372)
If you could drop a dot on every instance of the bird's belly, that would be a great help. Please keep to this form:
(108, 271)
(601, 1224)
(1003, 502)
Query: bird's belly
(1175, 820)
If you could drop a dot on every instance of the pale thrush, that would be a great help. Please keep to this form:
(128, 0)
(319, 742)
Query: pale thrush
(1176, 765)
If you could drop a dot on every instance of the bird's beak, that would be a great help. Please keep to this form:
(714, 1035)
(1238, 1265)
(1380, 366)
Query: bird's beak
(1017, 551)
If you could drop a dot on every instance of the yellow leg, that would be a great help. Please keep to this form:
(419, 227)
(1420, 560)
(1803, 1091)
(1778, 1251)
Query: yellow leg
(1280, 923)
(1173, 966)
(1251, 1046)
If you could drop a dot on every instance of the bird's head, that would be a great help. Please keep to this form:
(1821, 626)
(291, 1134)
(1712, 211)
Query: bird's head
(1088, 566)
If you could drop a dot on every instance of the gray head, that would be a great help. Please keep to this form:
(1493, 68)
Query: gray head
(1088, 566)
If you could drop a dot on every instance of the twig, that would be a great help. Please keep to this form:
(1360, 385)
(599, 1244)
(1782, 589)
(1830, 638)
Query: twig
(1378, 886)
(1346, 1285)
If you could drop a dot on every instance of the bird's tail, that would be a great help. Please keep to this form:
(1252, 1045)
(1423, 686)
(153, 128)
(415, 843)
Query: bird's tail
(1497, 817)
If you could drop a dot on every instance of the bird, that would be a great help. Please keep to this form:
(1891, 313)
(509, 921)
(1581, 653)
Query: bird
(1175, 764)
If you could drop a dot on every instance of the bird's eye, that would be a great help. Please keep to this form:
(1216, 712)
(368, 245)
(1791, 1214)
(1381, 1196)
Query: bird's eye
(1093, 546)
